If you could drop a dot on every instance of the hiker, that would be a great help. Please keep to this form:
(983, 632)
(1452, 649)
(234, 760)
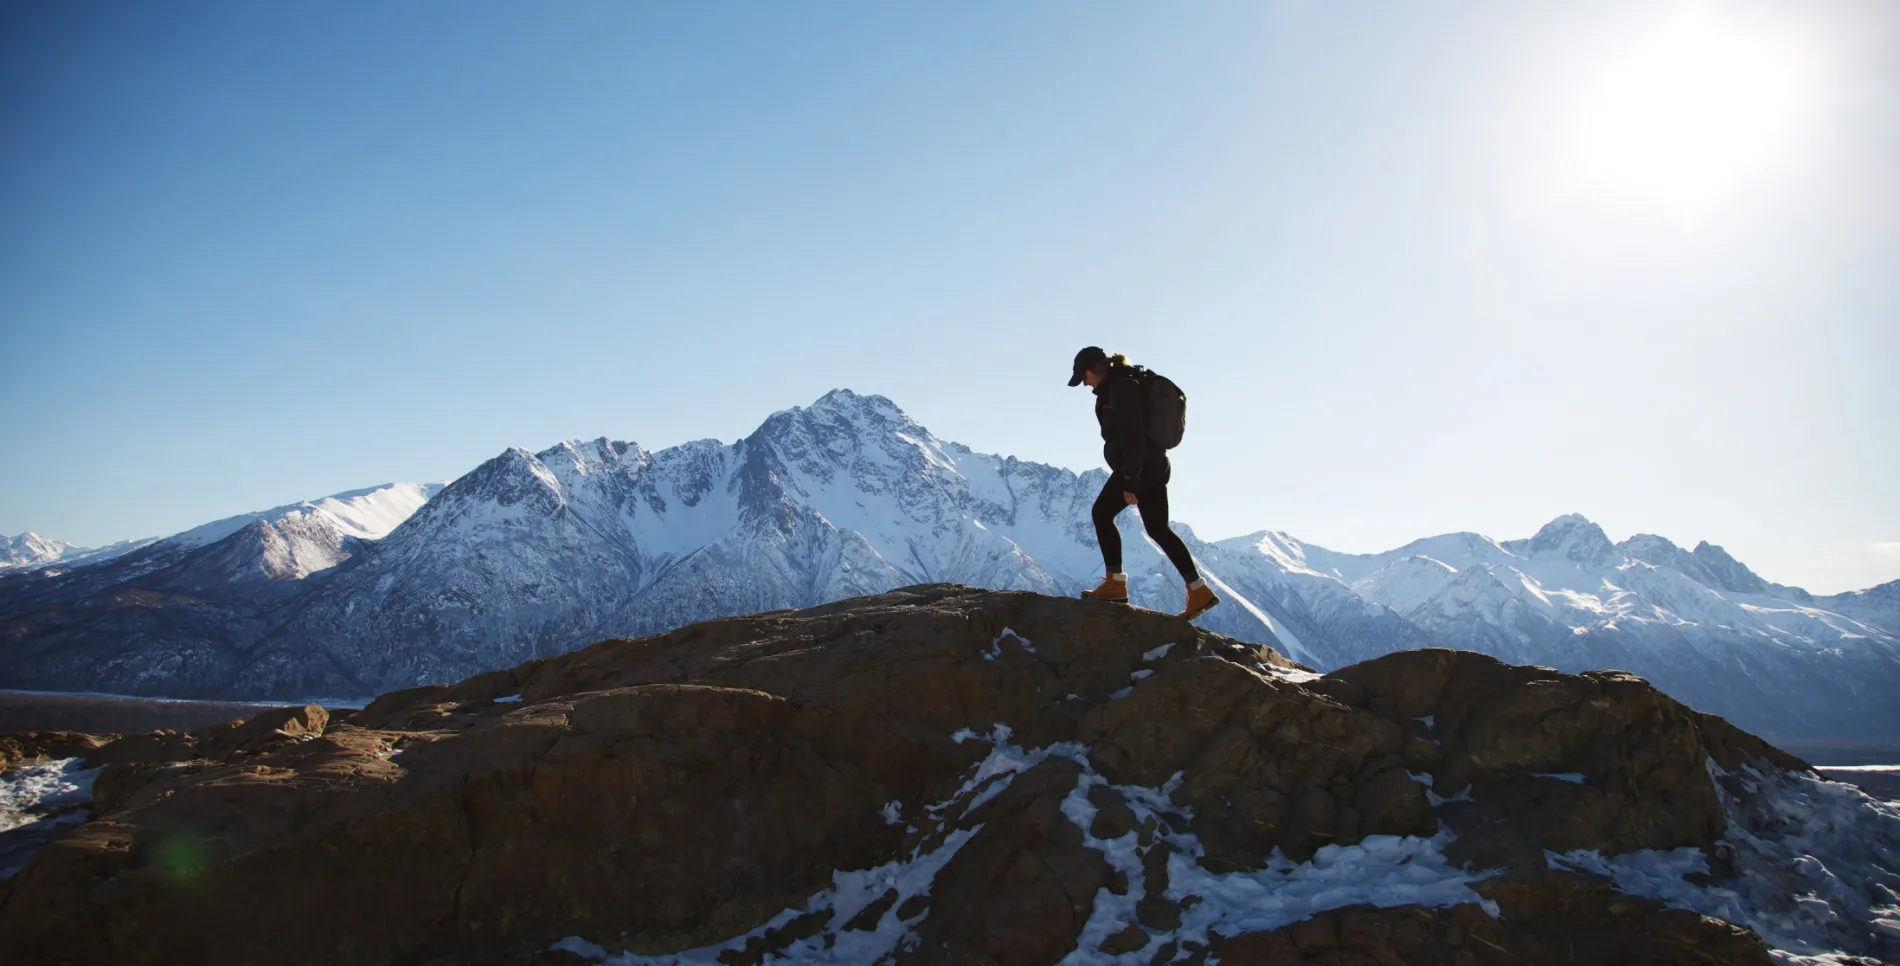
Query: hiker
(1138, 471)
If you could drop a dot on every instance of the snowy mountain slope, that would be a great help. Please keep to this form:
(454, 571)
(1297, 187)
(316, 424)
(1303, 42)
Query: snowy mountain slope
(1569, 579)
(366, 514)
(1708, 565)
(1455, 549)
(289, 542)
(177, 615)
(1875, 606)
(1318, 618)
(30, 551)
(1407, 583)
(1698, 624)
(536, 553)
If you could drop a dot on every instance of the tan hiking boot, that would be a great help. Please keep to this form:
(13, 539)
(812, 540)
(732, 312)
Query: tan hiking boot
(1113, 588)
(1200, 600)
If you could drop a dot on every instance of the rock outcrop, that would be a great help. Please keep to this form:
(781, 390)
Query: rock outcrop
(933, 775)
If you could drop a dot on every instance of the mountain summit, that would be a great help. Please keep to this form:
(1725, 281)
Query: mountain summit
(29, 549)
(532, 554)
(1571, 537)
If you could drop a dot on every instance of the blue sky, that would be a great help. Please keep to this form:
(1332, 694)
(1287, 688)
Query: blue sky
(1420, 267)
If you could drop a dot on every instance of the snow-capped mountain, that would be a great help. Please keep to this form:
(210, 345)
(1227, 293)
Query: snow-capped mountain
(1875, 606)
(367, 514)
(177, 615)
(290, 543)
(306, 537)
(535, 553)
(1699, 624)
(30, 549)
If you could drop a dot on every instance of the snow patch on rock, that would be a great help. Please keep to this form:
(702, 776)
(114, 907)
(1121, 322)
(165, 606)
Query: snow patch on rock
(49, 793)
(1816, 868)
(48, 790)
(1382, 870)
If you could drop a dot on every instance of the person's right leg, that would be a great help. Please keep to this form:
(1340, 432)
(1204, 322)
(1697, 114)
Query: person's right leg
(1154, 517)
(1107, 507)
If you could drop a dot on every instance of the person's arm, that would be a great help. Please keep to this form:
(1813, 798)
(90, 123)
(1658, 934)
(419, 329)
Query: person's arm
(1131, 423)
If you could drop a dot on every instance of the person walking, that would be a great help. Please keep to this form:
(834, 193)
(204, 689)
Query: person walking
(1138, 475)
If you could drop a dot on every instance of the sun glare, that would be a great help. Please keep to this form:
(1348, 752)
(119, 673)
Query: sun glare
(1685, 118)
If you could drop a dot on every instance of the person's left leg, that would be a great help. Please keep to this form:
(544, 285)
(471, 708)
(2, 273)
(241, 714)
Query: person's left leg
(1108, 506)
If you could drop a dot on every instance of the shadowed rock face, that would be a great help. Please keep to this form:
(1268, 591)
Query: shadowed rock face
(677, 791)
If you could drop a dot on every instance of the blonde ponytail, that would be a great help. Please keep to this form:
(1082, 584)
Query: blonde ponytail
(1117, 359)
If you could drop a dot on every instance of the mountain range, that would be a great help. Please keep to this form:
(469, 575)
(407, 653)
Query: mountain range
(537, 553)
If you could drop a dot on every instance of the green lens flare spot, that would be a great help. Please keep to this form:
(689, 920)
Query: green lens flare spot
(180, 856)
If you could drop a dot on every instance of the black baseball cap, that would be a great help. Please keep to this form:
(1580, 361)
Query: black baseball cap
(1085, 360)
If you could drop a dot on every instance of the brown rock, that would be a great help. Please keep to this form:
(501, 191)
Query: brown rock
(266, 731)
(143, 749)
(117, 785)
(1262, 761)
(484, 689)
(1499, 726)
(18, 746)
(1126, 941)
(1155, 910)
(1731, 747)
(681, 790)
(1314, 936)
(411, 709)
(867, 918)
(1260, 949)
(1113, 817)
(913, 907)
(1021, 889)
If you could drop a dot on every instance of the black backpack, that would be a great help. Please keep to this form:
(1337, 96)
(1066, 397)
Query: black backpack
(1167, 409)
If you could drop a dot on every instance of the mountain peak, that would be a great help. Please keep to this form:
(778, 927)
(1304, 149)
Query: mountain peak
(834, 418)
(1571, 536)
(1648, 542)
(1888, 591)
(833, 407)
(1731, 573)
(845, 401)
(840, 395)
(590, 454)
(514, 476)
(30, 548)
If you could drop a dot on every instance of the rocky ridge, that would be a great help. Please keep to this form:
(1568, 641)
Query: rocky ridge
(941, 774)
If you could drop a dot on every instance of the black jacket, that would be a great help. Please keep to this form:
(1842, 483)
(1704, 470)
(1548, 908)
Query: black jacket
(1121, 407)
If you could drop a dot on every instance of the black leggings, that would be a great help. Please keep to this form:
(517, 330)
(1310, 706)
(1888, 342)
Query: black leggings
(1153, 506)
